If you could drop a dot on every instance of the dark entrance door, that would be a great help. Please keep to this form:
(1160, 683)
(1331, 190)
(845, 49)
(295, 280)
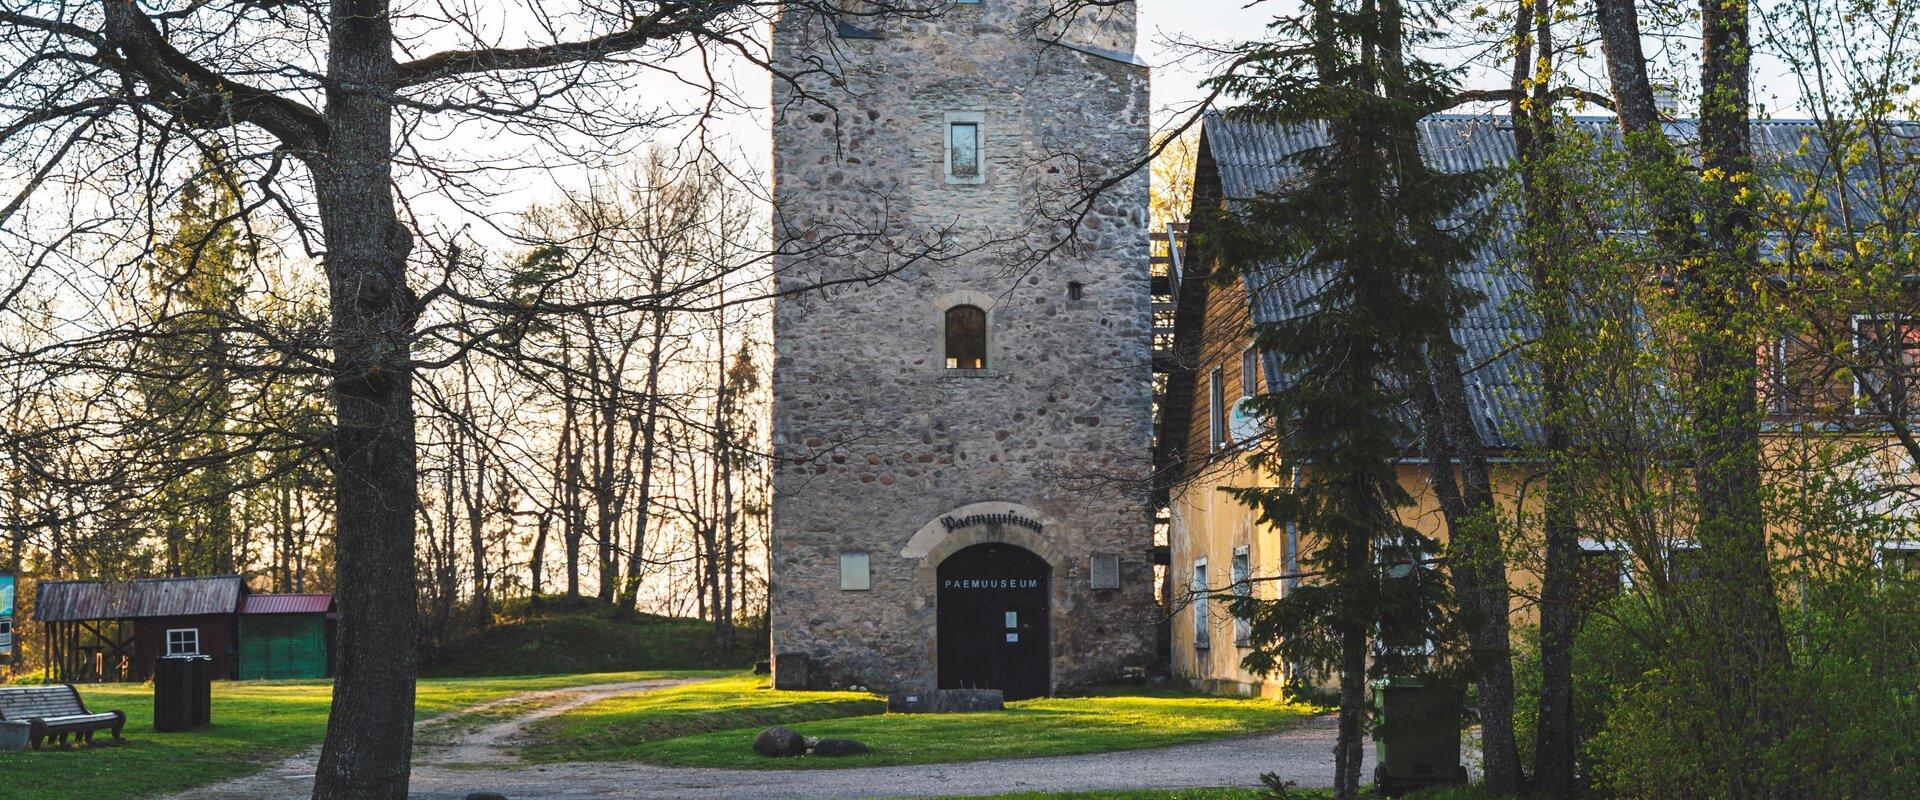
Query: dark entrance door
(992, 608)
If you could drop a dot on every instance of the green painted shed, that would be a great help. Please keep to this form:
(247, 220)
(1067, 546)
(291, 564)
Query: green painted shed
(285, 636)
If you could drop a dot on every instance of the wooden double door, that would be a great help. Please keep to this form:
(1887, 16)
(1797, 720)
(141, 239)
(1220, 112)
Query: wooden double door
(992, 611)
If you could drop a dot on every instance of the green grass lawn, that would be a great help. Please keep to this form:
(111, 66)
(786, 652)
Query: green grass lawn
(1145, 794)
(255, 722)
(713, 724)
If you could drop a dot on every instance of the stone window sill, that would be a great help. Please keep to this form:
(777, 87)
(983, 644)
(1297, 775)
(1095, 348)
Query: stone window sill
(969, 374)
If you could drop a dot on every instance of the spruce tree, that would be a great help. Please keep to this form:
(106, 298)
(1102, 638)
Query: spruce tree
(1372, 237)
(195, 281)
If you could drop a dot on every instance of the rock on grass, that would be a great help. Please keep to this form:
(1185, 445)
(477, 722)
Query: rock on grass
(779, 741)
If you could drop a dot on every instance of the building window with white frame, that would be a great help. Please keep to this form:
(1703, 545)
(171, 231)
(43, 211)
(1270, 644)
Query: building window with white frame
(183, 641)
(1601, 571)
(1200, 603)
(965, 150)
(1685, 561)
(1216, 410)
(1242, 568)
(1249, 372)
(1900, 559)
(1886, 348)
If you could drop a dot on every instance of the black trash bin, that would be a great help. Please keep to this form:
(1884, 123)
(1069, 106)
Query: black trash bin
(182, 693)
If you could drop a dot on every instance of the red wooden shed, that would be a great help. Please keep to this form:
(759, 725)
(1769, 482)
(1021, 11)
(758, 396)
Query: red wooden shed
(97, 631)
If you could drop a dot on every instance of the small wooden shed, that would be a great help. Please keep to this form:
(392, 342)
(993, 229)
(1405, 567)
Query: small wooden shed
(98, 631)
(284, 636)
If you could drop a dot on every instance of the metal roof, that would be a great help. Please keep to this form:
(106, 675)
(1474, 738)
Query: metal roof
(72, 601)
(1255, 157)
(286, 604)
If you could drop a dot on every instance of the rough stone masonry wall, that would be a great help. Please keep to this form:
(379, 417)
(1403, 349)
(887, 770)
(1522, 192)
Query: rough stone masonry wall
(874, 438)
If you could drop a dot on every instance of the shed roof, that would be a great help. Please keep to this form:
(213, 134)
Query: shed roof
(286, 604)
(73, 601)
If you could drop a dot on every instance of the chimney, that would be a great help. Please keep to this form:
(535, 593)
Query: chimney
(1666, 101)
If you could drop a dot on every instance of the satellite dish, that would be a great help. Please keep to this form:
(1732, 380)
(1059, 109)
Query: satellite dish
(1243, 423)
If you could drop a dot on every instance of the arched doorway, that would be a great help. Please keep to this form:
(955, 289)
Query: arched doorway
(991, 605)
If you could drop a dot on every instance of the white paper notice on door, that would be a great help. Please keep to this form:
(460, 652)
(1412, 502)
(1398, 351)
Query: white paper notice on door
(1013, 619)
(1013, 637)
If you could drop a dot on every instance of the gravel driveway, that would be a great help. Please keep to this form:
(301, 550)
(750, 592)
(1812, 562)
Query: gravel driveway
(459, 759)
(1303, 754)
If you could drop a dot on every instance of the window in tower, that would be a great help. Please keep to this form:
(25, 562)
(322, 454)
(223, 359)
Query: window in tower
(964, 142)
(966, 338)
(964, 152)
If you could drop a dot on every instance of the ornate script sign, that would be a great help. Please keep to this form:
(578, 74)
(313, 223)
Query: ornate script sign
(952, 523)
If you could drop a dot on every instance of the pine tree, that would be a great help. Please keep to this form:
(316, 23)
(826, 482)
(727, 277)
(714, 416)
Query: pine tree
(1364, 227)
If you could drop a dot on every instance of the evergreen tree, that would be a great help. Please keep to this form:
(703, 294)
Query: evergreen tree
(1372, 236)
(196, 284)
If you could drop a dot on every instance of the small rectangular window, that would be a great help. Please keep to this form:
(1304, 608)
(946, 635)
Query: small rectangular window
(1216, 409)
(183, 641)
(1075, 290)
(965, 147)
(1601, 573)
(1249, 373)
(1685, 562)
(1200, 605)
(855, 571)
(963, 143)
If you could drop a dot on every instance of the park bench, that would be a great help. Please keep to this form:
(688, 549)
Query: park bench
(56, 711)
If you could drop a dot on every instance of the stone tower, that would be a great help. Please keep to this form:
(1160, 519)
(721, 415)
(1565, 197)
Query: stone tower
(961, 385)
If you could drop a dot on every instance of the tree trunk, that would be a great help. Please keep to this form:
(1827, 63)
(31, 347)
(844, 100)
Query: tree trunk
(369, 740)
(1554, 735)
(607, 437)
(1350, 734)
(1716, 283)
(1720, 289)
(569, 472)
(649, 434)
(1475, 555)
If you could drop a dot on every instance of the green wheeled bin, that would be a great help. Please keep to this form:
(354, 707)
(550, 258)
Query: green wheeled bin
(1417, 736)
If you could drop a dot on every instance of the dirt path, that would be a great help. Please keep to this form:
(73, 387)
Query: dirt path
(1303, 754)
(481, 735)
(471, 752)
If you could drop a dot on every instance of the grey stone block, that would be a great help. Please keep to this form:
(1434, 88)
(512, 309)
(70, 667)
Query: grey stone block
(946, 701)
(13, 735)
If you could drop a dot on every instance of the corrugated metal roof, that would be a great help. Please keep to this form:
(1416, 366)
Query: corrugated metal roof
(1256, 157)
(70, 601)
(286, 604)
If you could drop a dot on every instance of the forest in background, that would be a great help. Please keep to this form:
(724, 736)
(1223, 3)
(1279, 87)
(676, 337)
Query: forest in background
(576, 451)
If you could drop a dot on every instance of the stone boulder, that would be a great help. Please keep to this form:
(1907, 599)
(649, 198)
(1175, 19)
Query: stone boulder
(835, 748)
(946, 701)
(779, 741)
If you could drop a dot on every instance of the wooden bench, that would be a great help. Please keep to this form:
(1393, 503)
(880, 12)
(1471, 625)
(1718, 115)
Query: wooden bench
(56, 711)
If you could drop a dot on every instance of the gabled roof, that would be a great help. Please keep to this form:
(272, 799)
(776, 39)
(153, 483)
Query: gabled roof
(286, 604)
(76, 601)
(1255, 157)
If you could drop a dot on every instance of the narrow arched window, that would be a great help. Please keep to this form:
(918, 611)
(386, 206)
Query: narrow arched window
(966, 338)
